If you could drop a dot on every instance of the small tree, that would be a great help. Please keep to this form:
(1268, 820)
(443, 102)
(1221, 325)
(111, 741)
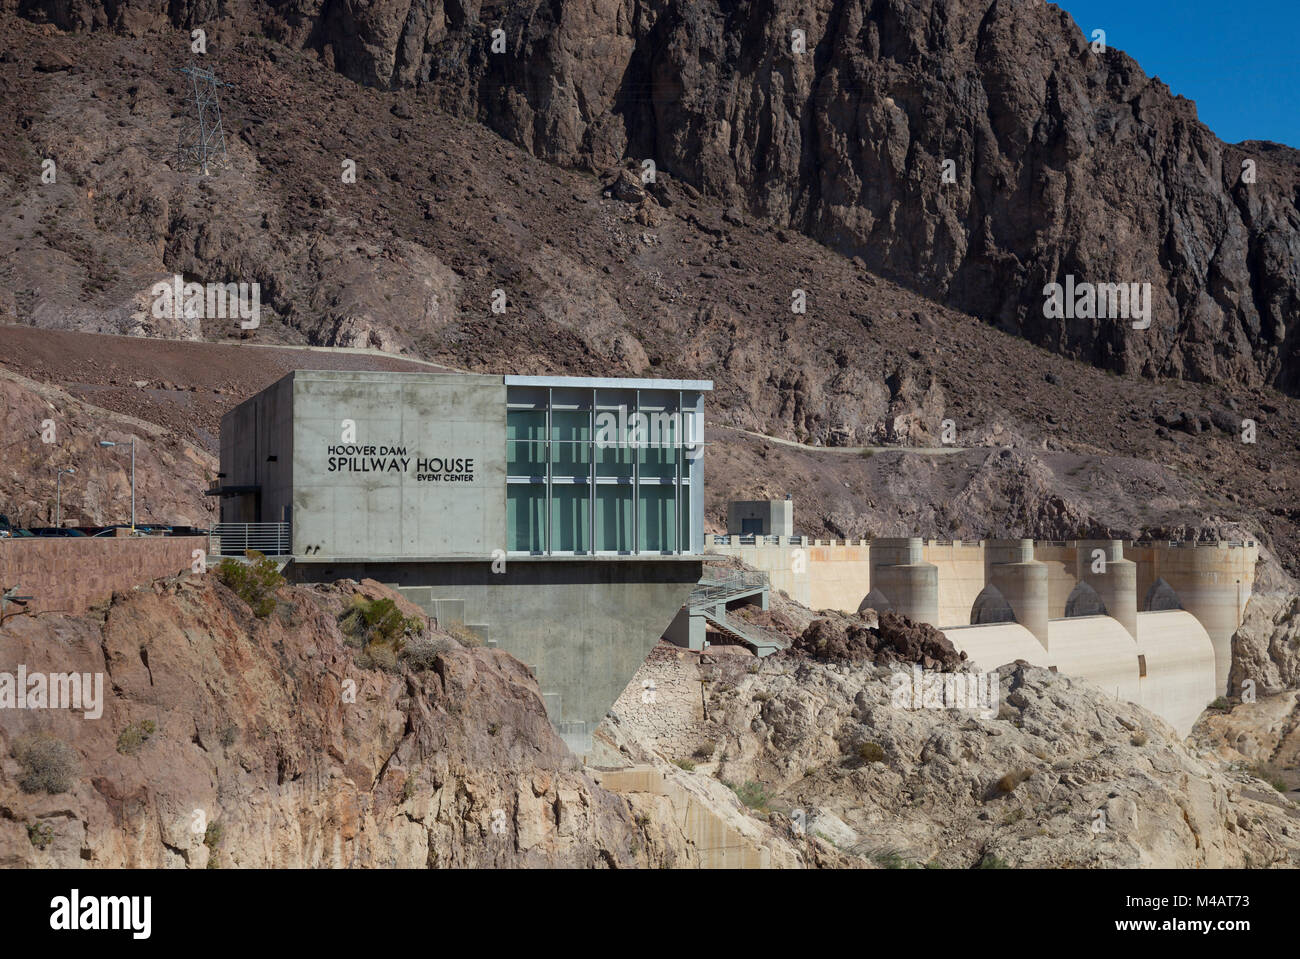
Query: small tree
(254, 582)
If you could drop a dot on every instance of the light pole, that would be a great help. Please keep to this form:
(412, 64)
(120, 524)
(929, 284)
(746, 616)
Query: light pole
(111, 443)
(58, 495)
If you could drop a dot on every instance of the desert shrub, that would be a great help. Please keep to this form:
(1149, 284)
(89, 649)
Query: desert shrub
(705, 749)
(212, 835)
(255, 583)
(685, 764)
(49, 764)
(465, 636)
(379, 656)
(40, 834)
(1011, 780)
(378, 621)
(754, 795)
(421, 651)
(991, 861)
(229, 735)
(871, 752)
(1220, 704)
(888, 858)
(379, 629)
(134, 736)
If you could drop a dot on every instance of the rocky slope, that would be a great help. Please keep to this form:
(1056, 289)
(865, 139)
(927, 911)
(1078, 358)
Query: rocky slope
(227, 740)
(1061, 776)
(1065, 158)
(659, 282)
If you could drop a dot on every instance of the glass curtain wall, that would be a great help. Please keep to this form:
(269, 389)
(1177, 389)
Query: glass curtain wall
(594, 470)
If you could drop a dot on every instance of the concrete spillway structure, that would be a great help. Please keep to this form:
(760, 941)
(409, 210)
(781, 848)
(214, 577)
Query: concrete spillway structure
(1022, 581)
(1101, 564)
(905, 581)
(1148, 622)
(1211, 581)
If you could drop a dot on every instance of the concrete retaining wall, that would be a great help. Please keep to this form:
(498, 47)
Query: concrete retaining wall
(72, 574)
(583, 626)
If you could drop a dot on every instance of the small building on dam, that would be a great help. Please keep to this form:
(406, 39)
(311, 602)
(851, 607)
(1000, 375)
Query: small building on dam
(559, 518)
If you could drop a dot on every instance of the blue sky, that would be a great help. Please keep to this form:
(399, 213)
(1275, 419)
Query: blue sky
(1239, 60)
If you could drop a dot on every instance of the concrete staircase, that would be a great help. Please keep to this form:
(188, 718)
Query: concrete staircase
(761, 643)
(445, 612)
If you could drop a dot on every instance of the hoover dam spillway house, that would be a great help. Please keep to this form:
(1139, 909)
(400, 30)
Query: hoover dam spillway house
(558, 518)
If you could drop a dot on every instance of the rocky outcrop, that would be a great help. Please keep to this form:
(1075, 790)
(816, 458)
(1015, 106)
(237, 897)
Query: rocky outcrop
(1266, 647)
(226, 740)
(44, 429)
(975, 149)
(1062, 776)
(835, 637)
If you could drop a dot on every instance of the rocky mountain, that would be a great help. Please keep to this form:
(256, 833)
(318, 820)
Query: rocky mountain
(601, 275)
(975, 150)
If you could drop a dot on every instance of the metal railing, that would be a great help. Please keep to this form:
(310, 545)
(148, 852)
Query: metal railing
(763, 641)
(234, 539)
(759, 539)
(717, 588)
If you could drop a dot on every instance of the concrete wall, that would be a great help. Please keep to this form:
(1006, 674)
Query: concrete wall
(251, 433)
(400, 510)
(1174, 649)
(772, 517)
(1213, 582)
(72, 574)
(997, 644)
(961, 577)
(583, 626)
(837, 576)
(1179, 657)
(1100, 650)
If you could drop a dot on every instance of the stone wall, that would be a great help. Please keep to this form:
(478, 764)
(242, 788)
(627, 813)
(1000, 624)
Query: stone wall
(70, 574)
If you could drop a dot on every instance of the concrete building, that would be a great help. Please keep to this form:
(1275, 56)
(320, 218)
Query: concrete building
(1148, 622)
(559, 518)
(766, 517)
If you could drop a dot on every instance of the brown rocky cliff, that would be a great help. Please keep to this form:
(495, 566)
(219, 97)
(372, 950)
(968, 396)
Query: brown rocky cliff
(1066, 160)
(253, 732)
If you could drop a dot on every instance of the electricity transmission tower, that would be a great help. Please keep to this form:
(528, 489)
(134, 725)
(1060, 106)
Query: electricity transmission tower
(202, 143)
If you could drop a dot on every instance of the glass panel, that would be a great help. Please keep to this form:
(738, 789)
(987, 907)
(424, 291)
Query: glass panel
(570, 443)
(525, 424)
(658, 462)
(570, 518)
(526, 517)
(614, 518)
(685, 535)
(525, 459)
(612, 461)
(656, 507)
(526, 442)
